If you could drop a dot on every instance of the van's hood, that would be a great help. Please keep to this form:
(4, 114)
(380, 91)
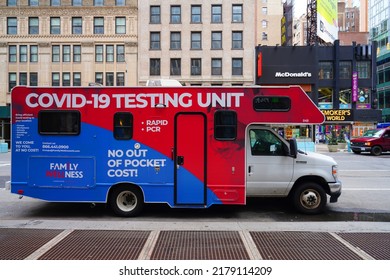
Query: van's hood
(315, 158)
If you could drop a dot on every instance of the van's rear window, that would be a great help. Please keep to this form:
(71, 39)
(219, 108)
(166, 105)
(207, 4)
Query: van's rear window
(59, 122)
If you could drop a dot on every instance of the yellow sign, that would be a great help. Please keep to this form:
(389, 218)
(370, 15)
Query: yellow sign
(334, 115)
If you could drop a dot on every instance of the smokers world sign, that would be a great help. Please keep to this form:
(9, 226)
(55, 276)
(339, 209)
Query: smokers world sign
(341, 115)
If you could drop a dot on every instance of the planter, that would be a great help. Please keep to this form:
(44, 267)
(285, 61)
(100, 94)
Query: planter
(342, 146)
(333, 148)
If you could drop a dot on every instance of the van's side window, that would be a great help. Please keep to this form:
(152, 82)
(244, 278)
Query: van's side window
(55, 122)
(265, 143)
(225, 125)
(123, 126)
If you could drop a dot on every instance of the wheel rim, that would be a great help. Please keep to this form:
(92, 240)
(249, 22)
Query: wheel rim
(310, 199)
(126, 201)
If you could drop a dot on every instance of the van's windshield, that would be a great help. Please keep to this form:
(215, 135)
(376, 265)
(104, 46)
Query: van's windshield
(376, 133)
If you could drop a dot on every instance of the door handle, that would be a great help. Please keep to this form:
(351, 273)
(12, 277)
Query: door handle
(180, 160)
(250, 169)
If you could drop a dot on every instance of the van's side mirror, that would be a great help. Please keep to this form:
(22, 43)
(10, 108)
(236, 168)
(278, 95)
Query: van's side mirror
(293, 147)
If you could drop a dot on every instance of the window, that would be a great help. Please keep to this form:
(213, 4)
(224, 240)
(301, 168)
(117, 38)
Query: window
(98, 25)
(11, 81)
(237, 40)
(33, 3)
(55, 79)
(196, 66)
(265, 143)
(33, 25)
(196, 40)
(59, 122)
(120, 25)
(12, 54)
(33, 53)
(155, 14)
(120, 53)
(154, 67)
(66, 53)
(77, 3)
(264, 10)
(216, 13)
(237, 13)
(175, 40)
(120, 2)
(264, 23)
(225, 125)
(98, 3)
(99, 78)
(155, 40)
(77, 25)
(216, 66)
(12, 26)
(55, 53)
(109, 79)
(216, 40)
(345, 69)
(55, 25)
(271, 103)
(33, 79)
(175, 14)
(326, 70)
(76, 79)
(264, 36)
(364, 69)
(196, 14)
(66, 79)
(110, 53)
(23, 78)
(325, 98)
(23, 53)
(12, 3)
(237, 67)
(76, 53)
(120, 79)
(55, 3)
(123, 126)
(175, 66)
(99, 53)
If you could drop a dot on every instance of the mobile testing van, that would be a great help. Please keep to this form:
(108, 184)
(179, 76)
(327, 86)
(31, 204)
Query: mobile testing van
(184, 146)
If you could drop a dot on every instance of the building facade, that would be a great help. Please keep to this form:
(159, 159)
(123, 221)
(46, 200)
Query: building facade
(340, 79)
(67, 43)
(269, 14)
(197, 42)
(379, 25)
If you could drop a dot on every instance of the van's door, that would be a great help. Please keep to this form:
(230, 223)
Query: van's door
(269, 168)
(190, 158)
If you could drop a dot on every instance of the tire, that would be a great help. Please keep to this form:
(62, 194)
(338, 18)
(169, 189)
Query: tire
(309, 198)
(126, 201)
(376, 150)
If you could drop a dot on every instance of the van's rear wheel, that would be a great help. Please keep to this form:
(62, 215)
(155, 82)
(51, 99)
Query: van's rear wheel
(309, 198)
(126, 201)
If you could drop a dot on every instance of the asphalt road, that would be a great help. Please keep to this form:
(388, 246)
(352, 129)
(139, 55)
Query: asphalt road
(365, 197)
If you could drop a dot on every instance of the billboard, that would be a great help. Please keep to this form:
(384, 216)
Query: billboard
(327, 27)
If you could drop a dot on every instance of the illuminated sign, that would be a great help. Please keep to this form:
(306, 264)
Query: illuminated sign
(338, 115)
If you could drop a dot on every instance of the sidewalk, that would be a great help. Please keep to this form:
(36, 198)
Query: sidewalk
(127, 240)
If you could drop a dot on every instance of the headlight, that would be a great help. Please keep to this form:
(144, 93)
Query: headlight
(335, 171)
(367, 143)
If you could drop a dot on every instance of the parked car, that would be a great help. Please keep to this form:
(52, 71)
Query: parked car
(375, 142)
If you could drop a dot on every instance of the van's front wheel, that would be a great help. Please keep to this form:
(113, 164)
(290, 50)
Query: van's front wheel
(126, 201)
(309, 198)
